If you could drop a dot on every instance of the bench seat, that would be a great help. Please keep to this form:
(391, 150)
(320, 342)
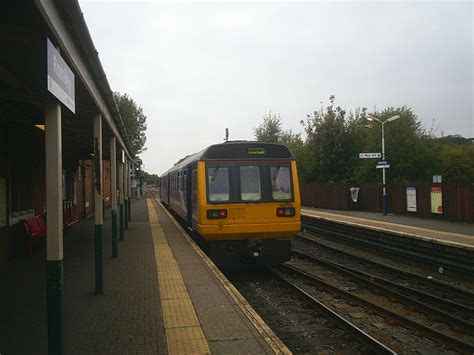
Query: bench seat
(35, 228)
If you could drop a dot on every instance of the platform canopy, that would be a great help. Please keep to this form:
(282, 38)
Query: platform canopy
(25, 27)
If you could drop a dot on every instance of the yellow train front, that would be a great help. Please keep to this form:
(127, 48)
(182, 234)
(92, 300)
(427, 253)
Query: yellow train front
(241, 198)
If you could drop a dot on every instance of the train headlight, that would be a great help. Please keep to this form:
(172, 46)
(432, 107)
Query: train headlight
(216, 214)
(285, 212)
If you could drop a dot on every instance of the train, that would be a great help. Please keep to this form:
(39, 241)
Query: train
(240, 200)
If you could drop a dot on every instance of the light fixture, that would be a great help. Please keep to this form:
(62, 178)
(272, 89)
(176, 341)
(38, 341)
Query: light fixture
(40, 126)
(393, 118)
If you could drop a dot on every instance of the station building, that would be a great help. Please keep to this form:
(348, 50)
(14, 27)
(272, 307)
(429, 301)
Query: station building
(64, 150)
(27, 26)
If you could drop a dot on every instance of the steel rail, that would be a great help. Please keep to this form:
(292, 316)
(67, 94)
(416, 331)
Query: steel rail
(362, 336)
(367, 279)
(434, 282)
(432, 334)
(449, 262)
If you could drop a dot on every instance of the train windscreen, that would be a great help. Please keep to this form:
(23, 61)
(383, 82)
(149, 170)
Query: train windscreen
(218, 184)
(281, 183)
(250, 185)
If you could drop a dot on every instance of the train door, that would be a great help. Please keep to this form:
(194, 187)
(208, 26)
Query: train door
(168, 187)
(189, 191)
(194, 199)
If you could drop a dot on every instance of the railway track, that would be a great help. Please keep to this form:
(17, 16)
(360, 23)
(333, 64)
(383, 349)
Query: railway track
(384, 313)
(316, 304)
(441, 295)
(301, 321)
(440, 258)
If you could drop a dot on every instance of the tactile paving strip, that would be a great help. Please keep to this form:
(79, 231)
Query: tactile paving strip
(184, 334)
(267, 334)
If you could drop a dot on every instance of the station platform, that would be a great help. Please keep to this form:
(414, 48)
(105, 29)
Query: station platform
(162, 295)
(439, 231)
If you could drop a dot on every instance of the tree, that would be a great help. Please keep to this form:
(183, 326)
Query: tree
(134, 121)
(150, 179)
(334, 139)
(270, 130)
(296, 145)
(456, 139)
(330, 142)
(456, 162)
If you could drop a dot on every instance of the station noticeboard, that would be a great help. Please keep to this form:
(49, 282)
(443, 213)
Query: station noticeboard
(411, 198)
(437, 199)
(60, 78)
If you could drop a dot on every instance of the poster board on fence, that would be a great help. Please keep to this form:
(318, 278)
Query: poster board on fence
(411, 198)
(437, 199)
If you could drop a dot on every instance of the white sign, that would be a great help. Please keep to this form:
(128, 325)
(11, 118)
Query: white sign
(383, 166)
(354, 193)
(437, 179)
(60, 78)
(370, 155)
(411, 199)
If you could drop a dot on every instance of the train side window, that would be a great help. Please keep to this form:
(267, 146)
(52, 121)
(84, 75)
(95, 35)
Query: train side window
(250, 187)
(281, 183)
(218, 183)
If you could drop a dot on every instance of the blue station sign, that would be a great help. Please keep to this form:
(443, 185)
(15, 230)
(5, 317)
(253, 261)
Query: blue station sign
(382, 164)
(60, 78)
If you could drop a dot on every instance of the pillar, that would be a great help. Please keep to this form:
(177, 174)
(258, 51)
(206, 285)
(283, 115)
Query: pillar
(125, 191)
(54, 223)
(121, 199)
(98, 209)
(113, 194)
(130, 170)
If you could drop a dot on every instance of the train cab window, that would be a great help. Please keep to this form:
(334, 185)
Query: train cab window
(218, 184)
(281, 183)
(250, 187)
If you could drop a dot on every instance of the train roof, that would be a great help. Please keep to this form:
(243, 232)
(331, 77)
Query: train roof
(237, 150)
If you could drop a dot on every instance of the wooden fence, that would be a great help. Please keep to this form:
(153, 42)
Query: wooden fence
(457, 198)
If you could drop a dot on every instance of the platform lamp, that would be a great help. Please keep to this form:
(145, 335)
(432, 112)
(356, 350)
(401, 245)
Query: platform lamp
(384, 189)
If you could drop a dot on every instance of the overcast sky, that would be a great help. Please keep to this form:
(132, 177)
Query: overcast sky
(199, 67)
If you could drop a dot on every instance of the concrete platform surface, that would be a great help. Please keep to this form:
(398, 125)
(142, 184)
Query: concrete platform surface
(230, 325)
(455, 233)
(161, 296)
(126, 319)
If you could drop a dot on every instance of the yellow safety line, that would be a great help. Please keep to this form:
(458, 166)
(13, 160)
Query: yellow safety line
(259, 324)
(333, 216)
(183, 331)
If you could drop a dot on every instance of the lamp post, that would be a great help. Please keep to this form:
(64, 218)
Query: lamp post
(384, 189)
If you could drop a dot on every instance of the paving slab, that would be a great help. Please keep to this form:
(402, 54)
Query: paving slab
(225, 325)
(126, 319)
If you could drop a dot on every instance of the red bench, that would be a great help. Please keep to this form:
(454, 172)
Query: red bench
(35, 228)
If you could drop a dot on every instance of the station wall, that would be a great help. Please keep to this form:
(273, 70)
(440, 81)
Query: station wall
(22, 194)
